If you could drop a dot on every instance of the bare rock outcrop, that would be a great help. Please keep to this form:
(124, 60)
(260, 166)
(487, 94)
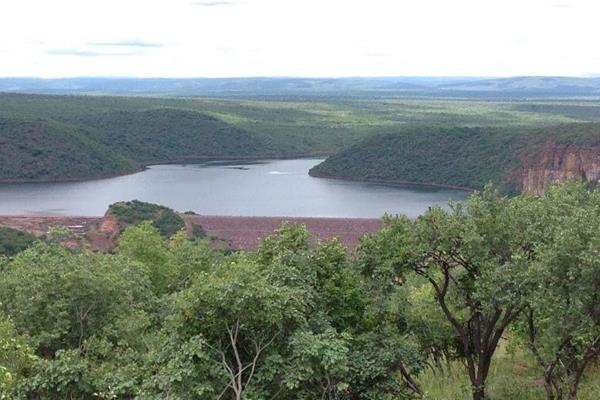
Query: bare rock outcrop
(558, 163)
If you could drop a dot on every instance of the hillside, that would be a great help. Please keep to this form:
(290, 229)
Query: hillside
(114, 142)
(170, 134)
(516, 159)
(32, 149)
(47, 137)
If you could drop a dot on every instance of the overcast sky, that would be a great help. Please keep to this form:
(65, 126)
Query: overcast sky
(230, 38)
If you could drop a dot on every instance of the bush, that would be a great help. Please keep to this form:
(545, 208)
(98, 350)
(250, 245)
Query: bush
(13, 241)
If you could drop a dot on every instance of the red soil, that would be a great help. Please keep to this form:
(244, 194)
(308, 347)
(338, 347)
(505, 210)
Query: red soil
(244, 233)
(239, 233)
(40, 225)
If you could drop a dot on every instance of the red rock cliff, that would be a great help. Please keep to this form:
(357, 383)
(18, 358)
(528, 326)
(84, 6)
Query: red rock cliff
(559, 163)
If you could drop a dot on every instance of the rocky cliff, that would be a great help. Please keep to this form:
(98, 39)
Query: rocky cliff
(559, 163)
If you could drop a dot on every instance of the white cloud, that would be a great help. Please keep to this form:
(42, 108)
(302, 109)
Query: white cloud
(298, 37)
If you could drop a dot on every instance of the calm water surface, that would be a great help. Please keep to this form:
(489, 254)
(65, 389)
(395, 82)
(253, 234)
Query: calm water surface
(267, 188)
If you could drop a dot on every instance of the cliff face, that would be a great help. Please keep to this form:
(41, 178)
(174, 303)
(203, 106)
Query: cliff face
(559, 163)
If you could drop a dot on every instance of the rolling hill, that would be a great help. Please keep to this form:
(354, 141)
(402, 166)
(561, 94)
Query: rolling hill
(50, 137)
(515, 159)
(115, 143)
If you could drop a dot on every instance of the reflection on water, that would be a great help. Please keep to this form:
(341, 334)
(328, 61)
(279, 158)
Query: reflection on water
(269, 188)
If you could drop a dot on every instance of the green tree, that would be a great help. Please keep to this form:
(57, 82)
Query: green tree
(562, 324)
(475, 258)
(13, 241)
(352, 345)
(236, 320)
(16, 358)
(144, 244)
(60, 299)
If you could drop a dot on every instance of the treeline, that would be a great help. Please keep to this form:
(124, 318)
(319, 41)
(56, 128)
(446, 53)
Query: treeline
(295, 320)
(468, 157)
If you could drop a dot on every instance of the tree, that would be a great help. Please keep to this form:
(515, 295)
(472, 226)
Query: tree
(238, 322)
(13, 241)
(474, 257)
(16, 357)
(353, 345)
(144, 244)
(60, 299)
(562, 323)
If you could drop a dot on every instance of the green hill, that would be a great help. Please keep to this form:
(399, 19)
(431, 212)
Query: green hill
(46, 137)
(114, 142)
(33, 149)
(171, 134)
(464, 157)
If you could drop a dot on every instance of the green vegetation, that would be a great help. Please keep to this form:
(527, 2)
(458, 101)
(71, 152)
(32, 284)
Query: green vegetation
(136, 212)
(465, 157)
(61, 137)
(496, 298)
(13, 241)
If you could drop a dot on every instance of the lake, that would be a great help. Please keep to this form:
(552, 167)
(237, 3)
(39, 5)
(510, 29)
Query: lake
(256, 188)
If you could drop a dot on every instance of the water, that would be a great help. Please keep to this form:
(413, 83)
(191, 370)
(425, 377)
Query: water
(261, 188)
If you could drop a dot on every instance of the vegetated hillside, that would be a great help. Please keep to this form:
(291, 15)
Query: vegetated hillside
(171, 134)
(114, 142)
(471, 157)
(32, 149)
(58, 137)
(582, 111)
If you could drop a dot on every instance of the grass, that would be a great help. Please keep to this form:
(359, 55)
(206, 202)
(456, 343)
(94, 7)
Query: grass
(513, 376)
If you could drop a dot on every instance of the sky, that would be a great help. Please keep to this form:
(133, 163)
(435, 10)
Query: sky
(309, 38)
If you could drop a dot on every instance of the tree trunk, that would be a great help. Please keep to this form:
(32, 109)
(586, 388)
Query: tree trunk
(478, 392)
(573, 392)
(550, 392)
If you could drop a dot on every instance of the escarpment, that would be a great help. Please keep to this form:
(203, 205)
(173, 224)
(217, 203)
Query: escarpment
(558, 163)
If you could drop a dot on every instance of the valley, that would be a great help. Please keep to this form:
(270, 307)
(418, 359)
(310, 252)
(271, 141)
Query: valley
(53, 138)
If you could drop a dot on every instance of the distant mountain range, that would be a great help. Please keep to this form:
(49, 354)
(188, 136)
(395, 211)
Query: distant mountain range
(529, 86)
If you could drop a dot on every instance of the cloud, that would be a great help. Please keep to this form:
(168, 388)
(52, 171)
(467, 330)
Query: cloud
(375, 54)
(214, 3)
(116, 48)
(563, 6)
(88, 53)
(126, 43)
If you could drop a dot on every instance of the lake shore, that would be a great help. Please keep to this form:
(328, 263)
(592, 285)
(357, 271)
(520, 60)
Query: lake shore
(391, 181)
(144, 166)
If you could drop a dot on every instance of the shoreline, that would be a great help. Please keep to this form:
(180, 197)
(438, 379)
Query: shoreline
(390, 181)
(195, 160)
(144, 166)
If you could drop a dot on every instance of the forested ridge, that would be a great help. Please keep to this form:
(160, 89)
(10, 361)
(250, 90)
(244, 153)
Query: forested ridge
(494, 298)
(115, 142)
(46, 137)
(467, 157)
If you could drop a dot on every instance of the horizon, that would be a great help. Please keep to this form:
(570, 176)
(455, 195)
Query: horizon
(587, 76)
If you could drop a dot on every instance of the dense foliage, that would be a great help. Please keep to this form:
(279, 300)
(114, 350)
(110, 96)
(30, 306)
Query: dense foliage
(67, 137)
(444, 295)
(464, 157)
(113, 142)
(165, 220)
(13, 241)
